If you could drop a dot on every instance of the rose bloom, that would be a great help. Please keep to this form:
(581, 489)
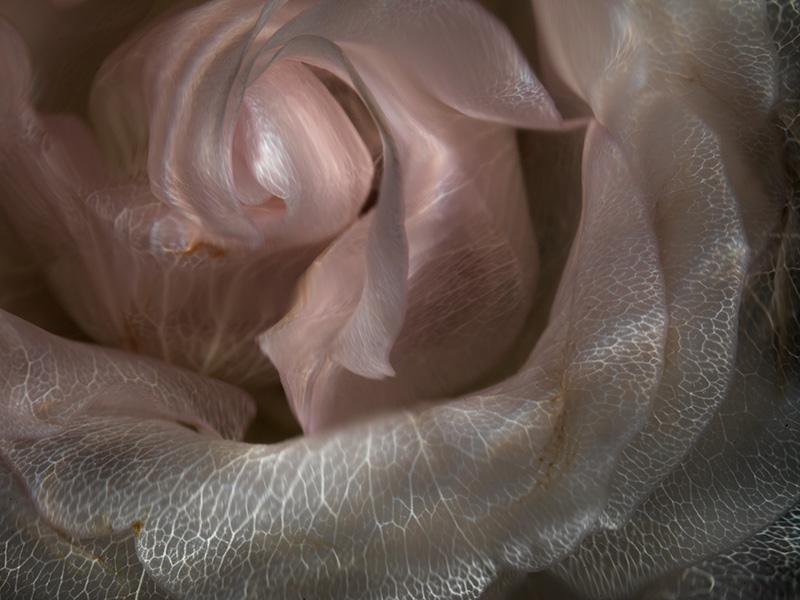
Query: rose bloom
(399, 299)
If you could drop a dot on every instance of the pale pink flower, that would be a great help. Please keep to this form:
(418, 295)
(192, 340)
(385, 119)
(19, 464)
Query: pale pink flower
(537, 324)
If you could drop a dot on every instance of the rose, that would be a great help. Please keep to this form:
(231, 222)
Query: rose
(640, 356)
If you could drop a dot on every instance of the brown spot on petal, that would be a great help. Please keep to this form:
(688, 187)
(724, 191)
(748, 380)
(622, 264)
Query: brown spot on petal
(209, 249)
(130, 340)
(136, 527)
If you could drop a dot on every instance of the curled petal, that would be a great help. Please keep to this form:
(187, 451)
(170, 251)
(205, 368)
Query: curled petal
(368, 323)
(227, 155)
(136, 274)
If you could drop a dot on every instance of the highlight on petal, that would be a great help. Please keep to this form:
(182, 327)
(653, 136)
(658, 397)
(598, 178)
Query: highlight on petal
(297, 146)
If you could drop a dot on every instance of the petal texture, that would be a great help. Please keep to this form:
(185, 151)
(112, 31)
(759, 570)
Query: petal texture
(683, 489)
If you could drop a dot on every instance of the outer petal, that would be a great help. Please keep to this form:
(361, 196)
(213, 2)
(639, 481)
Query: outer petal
(49, 384)
(692, 167)
(658, 77)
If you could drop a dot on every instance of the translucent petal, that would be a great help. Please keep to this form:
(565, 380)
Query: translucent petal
(696, 121)
(763, 566)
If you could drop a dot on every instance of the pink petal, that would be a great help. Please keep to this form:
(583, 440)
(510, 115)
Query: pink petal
(308, 154)
(434, 163)
(135, 273)
(49, 383)
(298, 146)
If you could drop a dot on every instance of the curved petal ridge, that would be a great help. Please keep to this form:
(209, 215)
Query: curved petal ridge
(41, 562)
(48, 382)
